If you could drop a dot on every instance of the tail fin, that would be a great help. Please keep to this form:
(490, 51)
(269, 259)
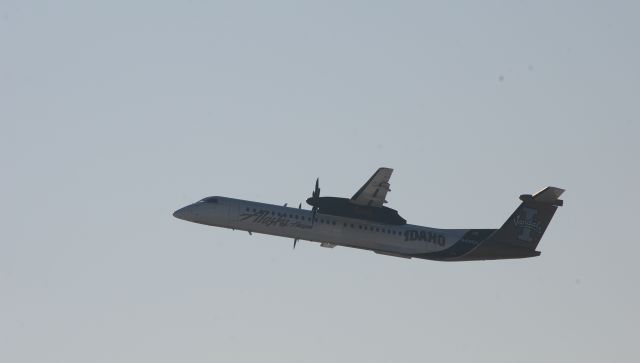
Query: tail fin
(520, 234)
(527, 224)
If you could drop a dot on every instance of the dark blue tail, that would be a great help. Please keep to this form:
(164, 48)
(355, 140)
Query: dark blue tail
(520, 234)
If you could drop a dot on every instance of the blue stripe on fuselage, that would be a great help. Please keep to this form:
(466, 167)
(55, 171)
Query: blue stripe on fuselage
(464, 245)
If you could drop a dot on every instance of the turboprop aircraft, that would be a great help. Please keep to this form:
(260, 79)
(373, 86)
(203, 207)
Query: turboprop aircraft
(364, 222)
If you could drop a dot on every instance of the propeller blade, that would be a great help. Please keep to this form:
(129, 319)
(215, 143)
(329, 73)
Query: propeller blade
(313, 201)
(295, 241)
(314, 210)
(316, 191)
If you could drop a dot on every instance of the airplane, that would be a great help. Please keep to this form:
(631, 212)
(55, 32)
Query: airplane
(364, 222)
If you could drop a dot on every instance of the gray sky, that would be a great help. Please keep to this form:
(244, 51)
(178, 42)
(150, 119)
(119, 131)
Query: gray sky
(114, 114)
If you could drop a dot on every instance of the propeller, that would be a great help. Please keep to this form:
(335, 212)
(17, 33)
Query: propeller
(313, 201)
(295, 240)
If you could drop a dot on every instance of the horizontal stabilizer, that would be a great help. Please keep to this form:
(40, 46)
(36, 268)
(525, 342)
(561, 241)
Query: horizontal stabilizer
(548, 194)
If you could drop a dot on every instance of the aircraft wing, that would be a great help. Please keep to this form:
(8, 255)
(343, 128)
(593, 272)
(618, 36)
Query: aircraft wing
(374, 190)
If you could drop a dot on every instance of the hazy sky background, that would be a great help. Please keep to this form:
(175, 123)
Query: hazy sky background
(114, 114)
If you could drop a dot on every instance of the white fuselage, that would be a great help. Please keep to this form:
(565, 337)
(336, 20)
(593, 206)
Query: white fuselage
(402, 240)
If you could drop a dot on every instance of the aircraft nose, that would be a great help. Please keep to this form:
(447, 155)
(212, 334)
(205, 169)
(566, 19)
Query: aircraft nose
(182, 213)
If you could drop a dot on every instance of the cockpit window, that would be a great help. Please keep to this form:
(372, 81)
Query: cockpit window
(210, 200)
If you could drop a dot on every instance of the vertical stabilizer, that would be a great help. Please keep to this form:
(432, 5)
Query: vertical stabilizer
(520, 234)
(530, 220)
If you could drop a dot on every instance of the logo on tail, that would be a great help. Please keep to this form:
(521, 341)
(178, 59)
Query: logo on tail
(525, 221)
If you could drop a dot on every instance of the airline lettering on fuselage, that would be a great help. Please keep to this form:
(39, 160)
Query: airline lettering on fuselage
(421, 235)
(268, 219)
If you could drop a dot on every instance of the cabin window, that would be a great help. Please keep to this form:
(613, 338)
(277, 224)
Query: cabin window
(351, 225)
(359, 226)
(377, 229)
(247, 209)
(334, 223)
